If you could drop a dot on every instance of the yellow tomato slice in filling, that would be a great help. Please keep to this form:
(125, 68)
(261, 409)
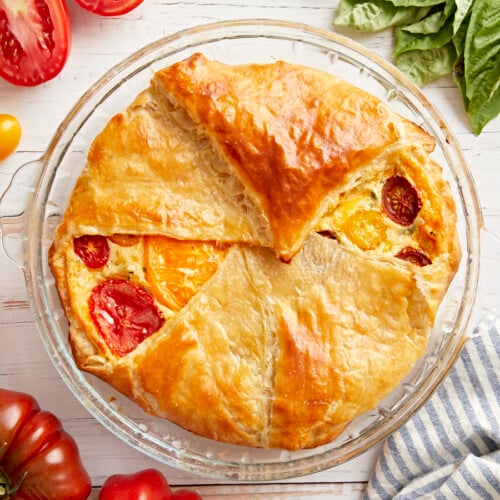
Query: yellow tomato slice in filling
(124, 240)
(177, 269)
(365, 228)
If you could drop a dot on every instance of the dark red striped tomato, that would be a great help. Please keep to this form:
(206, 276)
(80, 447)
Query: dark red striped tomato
(38, 459)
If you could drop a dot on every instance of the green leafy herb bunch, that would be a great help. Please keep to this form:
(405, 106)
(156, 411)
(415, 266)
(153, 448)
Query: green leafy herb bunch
(434, 38)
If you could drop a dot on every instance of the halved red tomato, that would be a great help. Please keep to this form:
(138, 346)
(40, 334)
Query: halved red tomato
(109, 7)
(35, 39)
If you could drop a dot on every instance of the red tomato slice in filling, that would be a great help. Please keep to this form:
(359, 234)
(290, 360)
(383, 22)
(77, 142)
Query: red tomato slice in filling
(35, 40)
(124, 313)
(93, 250)
(414, 256)
(400, 200)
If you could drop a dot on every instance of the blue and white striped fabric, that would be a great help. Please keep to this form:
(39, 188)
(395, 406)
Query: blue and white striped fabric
(450, 449)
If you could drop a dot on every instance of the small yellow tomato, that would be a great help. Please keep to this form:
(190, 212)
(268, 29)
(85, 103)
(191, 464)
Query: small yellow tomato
(10, 135)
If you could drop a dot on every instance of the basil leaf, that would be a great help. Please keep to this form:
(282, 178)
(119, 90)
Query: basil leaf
(459, 70)
(375, 15)
(489, 110)
(431, 24)
(460, 35)
(424, 66)
(463, 8)
(434, 21)
(459, 77)
(482, 63)
(406, 41)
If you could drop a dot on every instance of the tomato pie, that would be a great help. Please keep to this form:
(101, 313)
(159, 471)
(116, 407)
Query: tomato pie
(255, 252)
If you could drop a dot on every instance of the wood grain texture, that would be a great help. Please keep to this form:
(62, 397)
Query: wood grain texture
(98, 44)
(318, 491)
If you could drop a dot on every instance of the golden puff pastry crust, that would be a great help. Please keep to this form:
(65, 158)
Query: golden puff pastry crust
(290, 133)
(256, 253)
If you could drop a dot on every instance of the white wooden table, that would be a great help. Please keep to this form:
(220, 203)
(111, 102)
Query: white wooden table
(99, 43)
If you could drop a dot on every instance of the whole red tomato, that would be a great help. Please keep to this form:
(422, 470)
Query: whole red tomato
(38, 459)
(148, 484)
(35, 40)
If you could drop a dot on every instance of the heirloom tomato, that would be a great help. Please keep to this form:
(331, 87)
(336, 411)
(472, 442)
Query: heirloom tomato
(38, 459)
(35, 39)
(109, 7)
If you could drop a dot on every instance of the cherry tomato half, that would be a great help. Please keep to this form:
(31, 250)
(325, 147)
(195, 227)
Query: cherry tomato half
(35, 40)
(124, 313)
(93, 250)
(414, 256)
(10, 135)
(109, 7)
(400, 200)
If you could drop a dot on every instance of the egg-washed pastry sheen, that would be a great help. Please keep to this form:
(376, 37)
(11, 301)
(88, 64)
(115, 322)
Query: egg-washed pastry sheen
(255, 252)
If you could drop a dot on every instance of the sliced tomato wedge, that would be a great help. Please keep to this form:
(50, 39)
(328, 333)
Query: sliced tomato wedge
(35, 40)
(414, 256)
(125, 314)
(109, 7)
(93, 250)
(400, 200)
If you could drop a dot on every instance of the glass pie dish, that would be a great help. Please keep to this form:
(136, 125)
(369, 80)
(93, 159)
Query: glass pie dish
(29, 222)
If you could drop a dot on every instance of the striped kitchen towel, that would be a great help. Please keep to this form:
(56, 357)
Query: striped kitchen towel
(450, 449)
